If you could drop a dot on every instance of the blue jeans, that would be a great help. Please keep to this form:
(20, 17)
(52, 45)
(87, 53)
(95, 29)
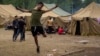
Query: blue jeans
(15, 33)
(22, 33)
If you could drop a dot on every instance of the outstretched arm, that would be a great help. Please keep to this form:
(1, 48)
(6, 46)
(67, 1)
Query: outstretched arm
(23, 10)
(51, 9)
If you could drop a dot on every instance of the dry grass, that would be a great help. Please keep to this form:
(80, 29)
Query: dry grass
(60, 42)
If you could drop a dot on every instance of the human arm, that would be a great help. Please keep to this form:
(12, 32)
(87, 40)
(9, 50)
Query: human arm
(15, 23)
(51, 9)
(23, 10)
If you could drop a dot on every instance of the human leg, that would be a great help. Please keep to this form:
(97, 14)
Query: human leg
(14, 34)
(22, 32)
(24, 35)
(37, 45)
(41, 31)
(18, 32)
(34, 33)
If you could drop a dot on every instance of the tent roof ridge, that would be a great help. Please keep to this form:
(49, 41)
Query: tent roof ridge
(49, 8)
(67, 14)
(5, 10)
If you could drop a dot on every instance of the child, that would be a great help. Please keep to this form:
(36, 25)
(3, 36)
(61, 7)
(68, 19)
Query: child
(61, 31)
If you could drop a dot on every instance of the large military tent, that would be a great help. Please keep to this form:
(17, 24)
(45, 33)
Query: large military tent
(25, 14)
(84, 22)
(10, 9)
(7, 12)
(65, 19)
(79, 10)
(57, 21)
(56, 12)
(59, 14)
(92, 11)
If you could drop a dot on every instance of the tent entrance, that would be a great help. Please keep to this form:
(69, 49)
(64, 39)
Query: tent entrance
(77, 28)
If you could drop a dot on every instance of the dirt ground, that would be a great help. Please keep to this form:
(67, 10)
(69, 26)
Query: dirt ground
(65, 45)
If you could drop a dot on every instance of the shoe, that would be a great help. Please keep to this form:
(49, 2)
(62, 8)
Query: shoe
(38, 49)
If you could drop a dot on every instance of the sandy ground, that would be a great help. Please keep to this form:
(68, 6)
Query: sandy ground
(66, 45)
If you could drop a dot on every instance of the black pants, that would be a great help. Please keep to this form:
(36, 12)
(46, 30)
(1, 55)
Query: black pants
(37, 29)
(23, 34)
(50, 29)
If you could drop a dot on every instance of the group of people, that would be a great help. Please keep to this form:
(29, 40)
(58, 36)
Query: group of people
(19, 28)
(51, 28)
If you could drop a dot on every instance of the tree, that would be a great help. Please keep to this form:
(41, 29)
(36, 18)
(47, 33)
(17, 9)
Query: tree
(1, 1)
(64, 4)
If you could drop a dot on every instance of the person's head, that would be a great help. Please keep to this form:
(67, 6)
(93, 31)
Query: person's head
(16, 16)
(39, 5)
(21, 18)
(50, 18)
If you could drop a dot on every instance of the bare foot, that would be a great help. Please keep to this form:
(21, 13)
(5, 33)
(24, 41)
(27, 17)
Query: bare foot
(38, 49)
(44, 35)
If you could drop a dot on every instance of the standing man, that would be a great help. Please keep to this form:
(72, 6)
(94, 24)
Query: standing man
(24, 20)
(15, 27)
(36, 26)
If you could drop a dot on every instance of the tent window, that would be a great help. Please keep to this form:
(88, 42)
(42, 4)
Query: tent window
(77, 28)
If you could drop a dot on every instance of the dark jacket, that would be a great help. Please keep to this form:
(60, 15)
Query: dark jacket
(21, 24)
(15, 23)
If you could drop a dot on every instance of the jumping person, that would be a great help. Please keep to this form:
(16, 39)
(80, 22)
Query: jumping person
(36, 26)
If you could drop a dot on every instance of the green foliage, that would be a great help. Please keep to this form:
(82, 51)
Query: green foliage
(64, 4)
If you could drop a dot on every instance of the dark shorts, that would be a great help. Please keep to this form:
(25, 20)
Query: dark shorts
(37, 29)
